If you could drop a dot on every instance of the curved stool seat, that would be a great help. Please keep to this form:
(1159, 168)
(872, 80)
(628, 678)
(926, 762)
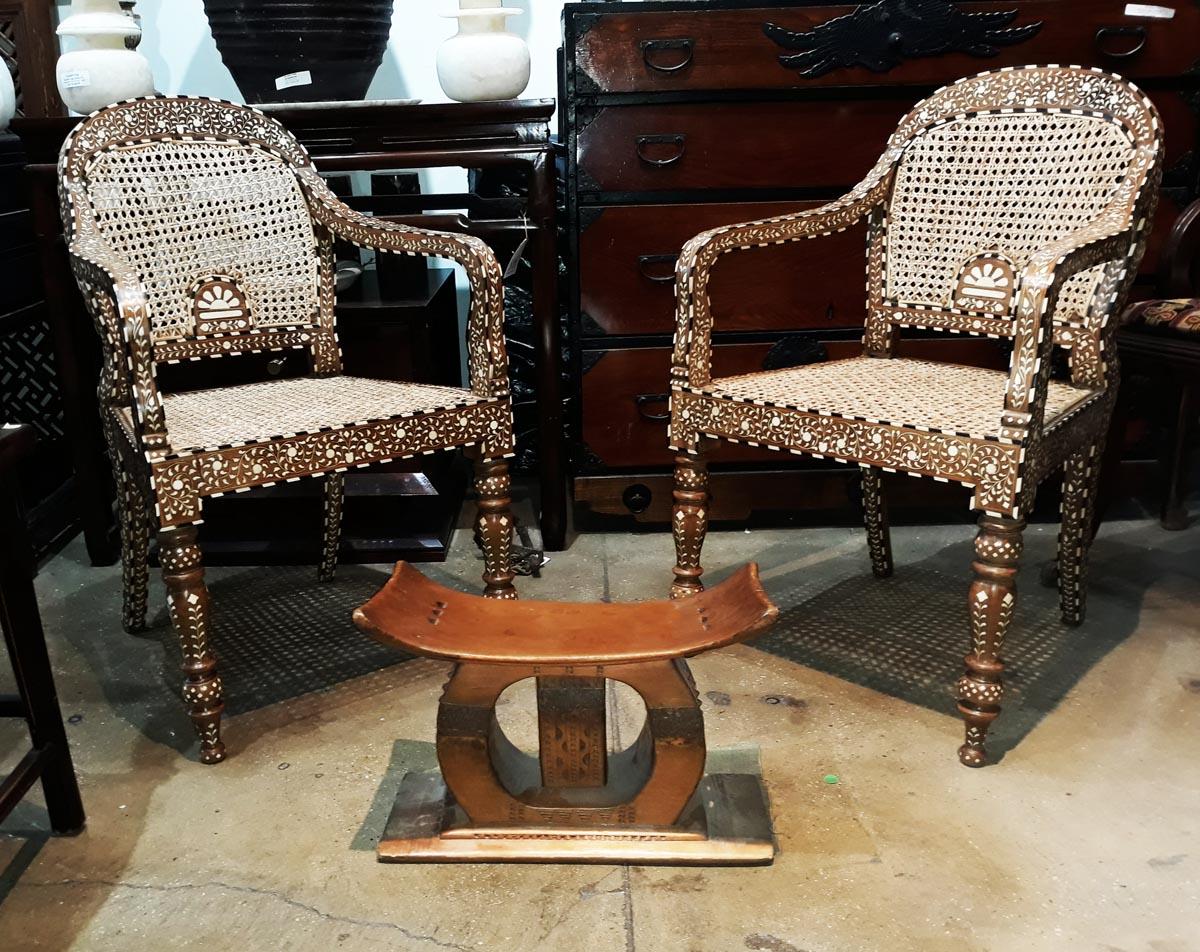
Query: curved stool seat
(574, 801)
(415, 614)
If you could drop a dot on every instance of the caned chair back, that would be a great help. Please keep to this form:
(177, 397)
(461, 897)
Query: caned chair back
(996, 167)
(201, 200)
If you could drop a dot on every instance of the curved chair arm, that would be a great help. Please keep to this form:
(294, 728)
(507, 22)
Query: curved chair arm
(1111, 236)
(1180, 268)
(487, 358)
(690, 363)
(117, 300)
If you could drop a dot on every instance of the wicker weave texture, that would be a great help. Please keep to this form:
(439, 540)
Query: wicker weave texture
(179, 212)
(1007, 182)
(257, 412)
(955, 399)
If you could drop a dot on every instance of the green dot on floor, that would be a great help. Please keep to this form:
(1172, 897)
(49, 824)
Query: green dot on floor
(831, 778)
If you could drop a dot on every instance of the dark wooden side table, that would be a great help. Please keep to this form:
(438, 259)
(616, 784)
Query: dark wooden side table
(369, 137)
(36, 701)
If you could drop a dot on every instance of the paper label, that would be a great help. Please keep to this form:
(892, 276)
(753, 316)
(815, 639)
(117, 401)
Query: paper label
(288, 80)
(1149, 10)
(75, 79)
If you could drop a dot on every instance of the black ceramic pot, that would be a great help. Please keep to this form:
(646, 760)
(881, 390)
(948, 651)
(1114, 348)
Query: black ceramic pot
(265, 43)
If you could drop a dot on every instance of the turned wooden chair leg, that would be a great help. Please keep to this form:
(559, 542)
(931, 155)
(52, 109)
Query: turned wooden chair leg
(991, 600)
(879, 538)
(1081, 477)
(689, 523)
(331, 537)
(187, 599)
(494, 526)
(1174, 509)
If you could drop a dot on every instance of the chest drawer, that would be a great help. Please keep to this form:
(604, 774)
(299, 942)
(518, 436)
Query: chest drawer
(689, 48)
(736, 145)
(627, 272)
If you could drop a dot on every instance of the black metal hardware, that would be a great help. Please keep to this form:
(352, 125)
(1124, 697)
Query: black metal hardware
(686, 44)
(882, 35)
(678, 140)
(644, 400)
(637, 497)
(1138, 32)
(644, 260)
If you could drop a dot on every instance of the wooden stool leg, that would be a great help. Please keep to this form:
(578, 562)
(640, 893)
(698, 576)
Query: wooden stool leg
(1174, 510)
(879, 539)
(187, 599)
(335, 489)
(991, 600)
(1081, 476)
(494, 525)
(689, 523)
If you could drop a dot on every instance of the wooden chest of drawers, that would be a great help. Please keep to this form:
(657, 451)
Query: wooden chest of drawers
(681, 115)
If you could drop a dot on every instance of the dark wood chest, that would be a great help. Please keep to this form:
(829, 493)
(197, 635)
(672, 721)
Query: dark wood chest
(679, 116)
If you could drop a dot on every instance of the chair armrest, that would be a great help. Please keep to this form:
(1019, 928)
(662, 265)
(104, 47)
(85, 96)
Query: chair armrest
(1181, 256)
(691, 360)
(1112, 236)
(487, 359)
(114, 293)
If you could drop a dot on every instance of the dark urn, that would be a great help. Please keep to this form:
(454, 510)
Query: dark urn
(269, 44)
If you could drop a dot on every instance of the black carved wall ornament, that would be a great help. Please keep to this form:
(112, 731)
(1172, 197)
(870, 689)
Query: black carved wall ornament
(882, 35)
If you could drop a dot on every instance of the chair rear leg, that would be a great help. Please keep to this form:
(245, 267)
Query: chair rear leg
(494, 525)
(689, 522)
(331, 537)
(992, 598)
(187, 599)
(1081, 478)
(135, 551)
(1174, 510)
(879, 537)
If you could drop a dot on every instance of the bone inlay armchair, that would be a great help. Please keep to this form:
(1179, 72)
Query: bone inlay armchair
(1013, 204)
(199, 229)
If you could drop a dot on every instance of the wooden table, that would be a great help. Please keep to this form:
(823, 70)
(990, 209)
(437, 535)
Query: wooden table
(371, 137)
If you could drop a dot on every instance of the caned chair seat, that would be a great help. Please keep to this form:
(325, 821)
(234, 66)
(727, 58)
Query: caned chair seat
(954, 399)
(201, 420)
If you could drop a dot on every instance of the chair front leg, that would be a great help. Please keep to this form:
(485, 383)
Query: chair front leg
(879, 539)
(1081, 479)
(1174, 508)
(187, 600)
(991, 600)
(331, 536)
(689, 522)
(494, 526)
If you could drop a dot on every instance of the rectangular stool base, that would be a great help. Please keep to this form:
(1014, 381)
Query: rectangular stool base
(426, 826)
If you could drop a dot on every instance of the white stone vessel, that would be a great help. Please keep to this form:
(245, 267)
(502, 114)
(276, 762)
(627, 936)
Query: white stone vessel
(483, 61)
(8, 97)
(102, 70)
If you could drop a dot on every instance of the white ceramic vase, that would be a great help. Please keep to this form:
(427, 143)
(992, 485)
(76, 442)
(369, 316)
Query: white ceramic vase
(102, 70)
(483, 61)
(8, 96)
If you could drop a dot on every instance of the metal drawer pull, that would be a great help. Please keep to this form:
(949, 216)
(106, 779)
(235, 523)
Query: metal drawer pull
(644, 400)
(650, 47)
(1105, 32)
(679, 141)
(658, 278)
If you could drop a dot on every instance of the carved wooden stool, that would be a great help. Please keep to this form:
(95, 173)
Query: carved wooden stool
(490, 802)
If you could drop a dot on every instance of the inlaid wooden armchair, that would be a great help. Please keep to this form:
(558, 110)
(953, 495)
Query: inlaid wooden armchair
(1013, 204)
(200, 229)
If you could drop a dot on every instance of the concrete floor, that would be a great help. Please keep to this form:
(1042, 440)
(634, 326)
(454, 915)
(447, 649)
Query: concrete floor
(1085, 836)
